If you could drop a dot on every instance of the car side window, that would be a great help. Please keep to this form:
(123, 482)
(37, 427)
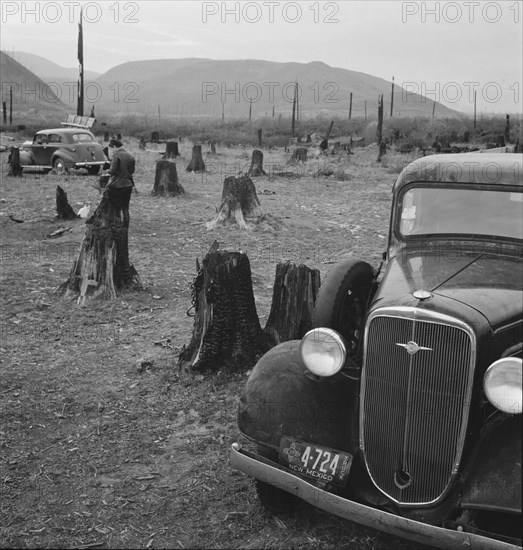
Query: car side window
(40, 138)
(55, 138)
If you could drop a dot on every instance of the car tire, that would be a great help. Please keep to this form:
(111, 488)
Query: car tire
(93, 170)
(342, 301)
(60, 167)
(274, 499)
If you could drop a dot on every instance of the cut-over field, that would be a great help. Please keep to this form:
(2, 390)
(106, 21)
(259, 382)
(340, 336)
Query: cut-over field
(105, 443)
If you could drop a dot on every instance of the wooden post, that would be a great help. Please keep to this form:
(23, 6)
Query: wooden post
(392, 99)
(293, 297)
(260, 132)
(350, 106)
(475, 97)
(171, 149)
(507, 129)
(166, 179)
(15, 168)
(63, 208)
(293, 114)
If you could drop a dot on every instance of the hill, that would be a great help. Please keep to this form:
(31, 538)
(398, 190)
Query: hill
(197, 87)
(31, 95)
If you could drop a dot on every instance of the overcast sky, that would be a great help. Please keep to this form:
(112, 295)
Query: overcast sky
(444, 50)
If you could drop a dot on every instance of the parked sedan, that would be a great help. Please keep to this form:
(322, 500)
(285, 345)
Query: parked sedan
(401, 409)
(61, 149)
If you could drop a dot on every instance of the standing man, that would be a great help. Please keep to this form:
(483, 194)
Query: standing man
(120, 185)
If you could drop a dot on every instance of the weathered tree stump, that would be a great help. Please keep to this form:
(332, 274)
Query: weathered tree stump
(155, 137)
(226, 330)
(166, 179)
(143, 144)
(256, 168)
(309, 139)
(300, 154)
(196, 164)
(294, 294)
(213, 148)
(239, 200)
(63, 208)
(171, 149)
(102, 267)
(15, 168)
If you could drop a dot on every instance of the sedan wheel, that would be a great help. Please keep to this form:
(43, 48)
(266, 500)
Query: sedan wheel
(60, 167)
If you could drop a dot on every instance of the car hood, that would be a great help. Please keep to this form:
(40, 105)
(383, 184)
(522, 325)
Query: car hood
(492, 285)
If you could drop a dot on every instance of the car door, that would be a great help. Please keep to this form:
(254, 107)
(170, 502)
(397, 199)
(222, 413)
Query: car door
(40, 150)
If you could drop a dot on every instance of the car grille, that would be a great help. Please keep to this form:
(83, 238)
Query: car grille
(414, 406)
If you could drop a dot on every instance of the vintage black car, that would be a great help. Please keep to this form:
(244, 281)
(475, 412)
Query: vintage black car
(401, 408)
(61, 149)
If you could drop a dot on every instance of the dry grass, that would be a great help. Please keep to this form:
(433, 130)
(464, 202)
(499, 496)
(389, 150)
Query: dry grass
(104, 442)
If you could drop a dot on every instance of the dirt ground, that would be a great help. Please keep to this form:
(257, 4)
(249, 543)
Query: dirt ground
(104, 442)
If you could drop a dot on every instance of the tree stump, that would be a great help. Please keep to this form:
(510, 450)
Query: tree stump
(143, 144)
(196, 164)
(226, 330)
(213, 148)
(155, 137)
(171, 149)
(63, 208)
(260, 136)
(106, 136)
(294, 294)
(382, 150)
(102, 266)
(15, 168)
(256, 168)
(166, 179)
(239, 200)
(300, 154)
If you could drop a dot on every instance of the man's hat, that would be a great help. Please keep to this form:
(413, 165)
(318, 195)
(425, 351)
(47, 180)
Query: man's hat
(115, 142)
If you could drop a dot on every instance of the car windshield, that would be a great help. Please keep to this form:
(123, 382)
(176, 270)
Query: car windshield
(461, 211)
(82, 137)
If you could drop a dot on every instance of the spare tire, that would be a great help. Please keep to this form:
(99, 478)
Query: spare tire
(342, 301)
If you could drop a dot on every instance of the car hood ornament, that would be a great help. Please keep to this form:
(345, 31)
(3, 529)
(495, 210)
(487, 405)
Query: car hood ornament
(422, 294)
(413, 348)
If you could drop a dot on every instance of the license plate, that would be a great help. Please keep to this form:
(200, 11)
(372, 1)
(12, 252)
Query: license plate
(314, 461)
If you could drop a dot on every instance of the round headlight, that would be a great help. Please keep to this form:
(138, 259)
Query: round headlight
(323, 351)
(502, 384)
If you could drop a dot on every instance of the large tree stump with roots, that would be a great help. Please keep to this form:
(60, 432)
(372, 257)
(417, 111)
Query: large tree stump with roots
(256, 168)
(171, 150)
(226, 330)
(239, 201)
(63, 208)
(102, 267)
(294, 294)
(196, 164)
(166, 179)
(299, 154)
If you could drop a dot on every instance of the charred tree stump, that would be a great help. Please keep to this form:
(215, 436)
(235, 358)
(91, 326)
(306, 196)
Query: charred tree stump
(294, 294)
(196, 164)
(300, 154)
(102, 267)
(166, 179)
(256, 168)
(15, 168)
(171, 149)
(63, 208)
(239, 200)
(226, 330)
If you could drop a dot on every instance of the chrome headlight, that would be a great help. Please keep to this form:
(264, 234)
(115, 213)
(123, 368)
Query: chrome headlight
(323, 351)
(502, 384)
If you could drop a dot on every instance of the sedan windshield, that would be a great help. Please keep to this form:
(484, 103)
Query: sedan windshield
(461, 211)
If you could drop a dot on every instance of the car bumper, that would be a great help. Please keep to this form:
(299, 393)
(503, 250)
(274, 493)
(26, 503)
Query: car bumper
(260, 468)
(86, 164)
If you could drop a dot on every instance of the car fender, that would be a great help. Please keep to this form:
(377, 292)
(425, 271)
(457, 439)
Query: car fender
(492, 480)
(281, 397)
(26, 158)
(64, 155)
